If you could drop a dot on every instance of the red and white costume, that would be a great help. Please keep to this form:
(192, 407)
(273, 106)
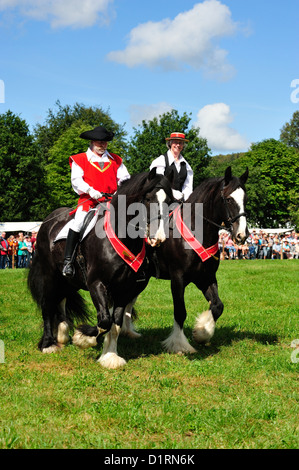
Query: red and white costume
(103, 173)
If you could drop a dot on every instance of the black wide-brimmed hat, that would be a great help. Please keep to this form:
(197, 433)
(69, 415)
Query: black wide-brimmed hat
(98, 133)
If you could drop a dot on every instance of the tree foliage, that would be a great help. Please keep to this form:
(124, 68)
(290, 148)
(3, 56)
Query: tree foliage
(149, 142)
(289, 133)
(35, 170)
(62, 118)
(272, 183)
(22, 171)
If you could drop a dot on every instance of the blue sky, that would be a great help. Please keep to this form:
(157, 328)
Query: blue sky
(232, 64)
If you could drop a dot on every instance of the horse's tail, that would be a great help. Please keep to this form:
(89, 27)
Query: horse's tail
(46, 289)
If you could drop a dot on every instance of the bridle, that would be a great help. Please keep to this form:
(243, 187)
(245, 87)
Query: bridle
(229, 219)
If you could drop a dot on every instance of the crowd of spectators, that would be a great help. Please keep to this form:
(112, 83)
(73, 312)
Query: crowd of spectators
(17, 251)
(261, 245)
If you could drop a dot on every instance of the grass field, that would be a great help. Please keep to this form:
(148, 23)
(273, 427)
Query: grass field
(239, 392)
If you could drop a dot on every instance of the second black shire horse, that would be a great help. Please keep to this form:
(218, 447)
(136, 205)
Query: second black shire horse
(110, 279)
(222, 201)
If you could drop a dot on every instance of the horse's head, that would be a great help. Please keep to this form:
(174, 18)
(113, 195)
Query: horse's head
(157, 198)
(234, 200)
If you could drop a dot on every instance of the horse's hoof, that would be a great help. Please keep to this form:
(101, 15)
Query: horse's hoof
(52, 349)
(111, 361)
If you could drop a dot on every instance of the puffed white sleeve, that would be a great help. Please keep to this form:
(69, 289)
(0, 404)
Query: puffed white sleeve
(187, 188)
(159, 163)
(79, 185)
(122, 174)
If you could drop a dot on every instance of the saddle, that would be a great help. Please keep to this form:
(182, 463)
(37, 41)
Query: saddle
(90, 220)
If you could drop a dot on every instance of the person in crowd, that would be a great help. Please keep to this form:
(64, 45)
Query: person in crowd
(33, 242)
(270, 246)
(12, 250)
(263, 246)
(28, 244)
(94, 172)
(292, 249)
(3, 250)
(173, 161)
(231, 249)
(286, 249)
(22, 249)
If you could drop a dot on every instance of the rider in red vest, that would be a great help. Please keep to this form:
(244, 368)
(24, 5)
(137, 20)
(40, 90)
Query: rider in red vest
(94, 172)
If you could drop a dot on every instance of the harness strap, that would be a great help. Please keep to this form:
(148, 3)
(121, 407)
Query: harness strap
(134, 261)
(203, 253)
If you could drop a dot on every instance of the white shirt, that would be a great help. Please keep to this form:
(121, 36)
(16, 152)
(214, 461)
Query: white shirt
(80, 186)
(160, 164)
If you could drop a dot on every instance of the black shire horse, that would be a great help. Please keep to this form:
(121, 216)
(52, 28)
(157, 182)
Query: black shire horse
(223, 201)
(111, 281)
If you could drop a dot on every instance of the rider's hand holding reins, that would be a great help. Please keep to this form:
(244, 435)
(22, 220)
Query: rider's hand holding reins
(94, 194)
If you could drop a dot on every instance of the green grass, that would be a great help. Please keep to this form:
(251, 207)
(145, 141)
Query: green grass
(239, 392)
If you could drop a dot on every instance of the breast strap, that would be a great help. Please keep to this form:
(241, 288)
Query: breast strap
(134, 261)
(203, 253)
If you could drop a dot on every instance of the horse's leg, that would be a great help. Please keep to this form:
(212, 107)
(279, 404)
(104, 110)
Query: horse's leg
(63, 328)
(205, 323)
(86, 336)
(177, 341)
(127, 328)
(109, 357)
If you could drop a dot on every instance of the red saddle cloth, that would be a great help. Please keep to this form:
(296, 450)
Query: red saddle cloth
(203, 253)
(134, 261)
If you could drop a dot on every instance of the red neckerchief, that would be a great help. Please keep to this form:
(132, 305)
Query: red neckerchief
(203, 253)
(134, 261)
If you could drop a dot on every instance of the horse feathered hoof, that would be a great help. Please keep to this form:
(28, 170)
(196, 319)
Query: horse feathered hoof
(204, 327)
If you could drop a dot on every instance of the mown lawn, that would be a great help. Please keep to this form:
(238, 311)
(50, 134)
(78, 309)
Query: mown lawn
(239, 392)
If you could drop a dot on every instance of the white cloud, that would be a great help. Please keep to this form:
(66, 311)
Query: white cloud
(139, 113)
(213, 121)
(190, 39)
(61, 13)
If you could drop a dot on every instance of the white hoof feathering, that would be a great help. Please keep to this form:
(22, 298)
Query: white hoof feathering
(111, 360)
(127, 328)
(51, 349)
(63, 333)
(83, 341)
(177, 342)
(204, 327)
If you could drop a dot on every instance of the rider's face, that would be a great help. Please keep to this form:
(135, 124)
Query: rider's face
(99, 146)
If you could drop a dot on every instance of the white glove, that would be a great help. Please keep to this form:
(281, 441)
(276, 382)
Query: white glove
(177, 194)
(94, 194)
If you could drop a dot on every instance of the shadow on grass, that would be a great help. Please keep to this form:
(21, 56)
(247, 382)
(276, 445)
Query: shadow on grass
(150, 342)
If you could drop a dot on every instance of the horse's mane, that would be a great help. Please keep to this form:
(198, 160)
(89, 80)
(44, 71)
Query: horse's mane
(210, 189)
(206, 191)
(138, 185)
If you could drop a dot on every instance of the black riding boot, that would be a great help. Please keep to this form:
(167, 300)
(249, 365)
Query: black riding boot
(70, 253)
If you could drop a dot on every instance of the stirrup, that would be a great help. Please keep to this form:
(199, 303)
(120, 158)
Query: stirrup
(68, 269)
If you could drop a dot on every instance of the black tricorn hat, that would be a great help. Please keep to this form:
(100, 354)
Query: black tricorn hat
(98, 133)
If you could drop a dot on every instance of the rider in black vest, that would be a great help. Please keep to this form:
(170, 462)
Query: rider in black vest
(173, 161)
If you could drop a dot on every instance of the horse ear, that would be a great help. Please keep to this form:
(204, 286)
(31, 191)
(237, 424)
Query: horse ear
(228, 175)
(152, 174)
(244, 177)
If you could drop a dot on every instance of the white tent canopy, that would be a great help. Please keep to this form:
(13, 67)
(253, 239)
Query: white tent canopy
(25, 227)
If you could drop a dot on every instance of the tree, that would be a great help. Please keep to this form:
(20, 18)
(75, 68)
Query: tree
(272, 185)
(60, 120)
(149, 142)
(273, 170)
(22, 172)
(289, 134)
